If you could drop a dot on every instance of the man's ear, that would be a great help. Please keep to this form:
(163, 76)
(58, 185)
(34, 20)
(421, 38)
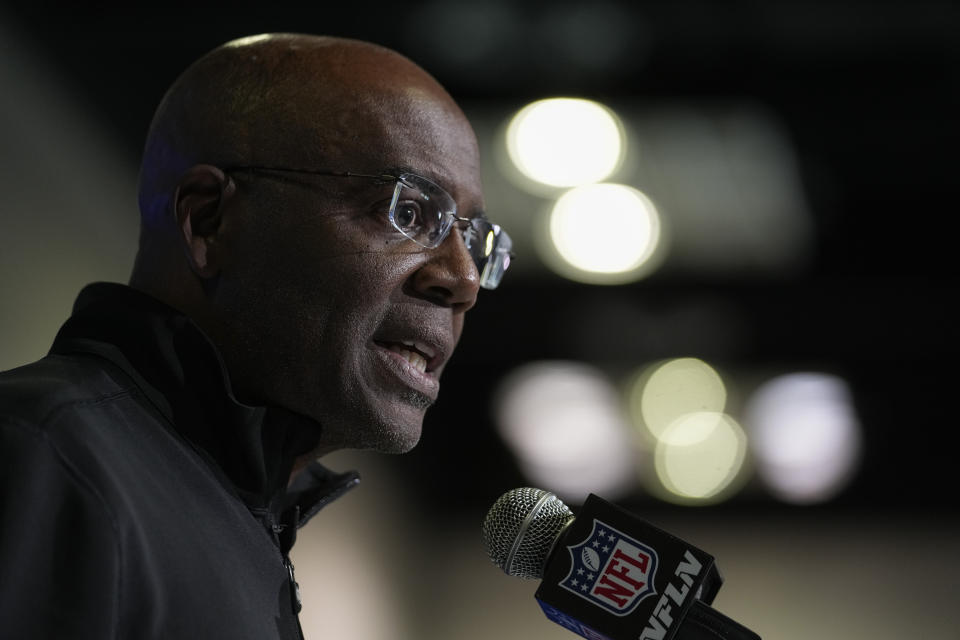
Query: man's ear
(199, 202)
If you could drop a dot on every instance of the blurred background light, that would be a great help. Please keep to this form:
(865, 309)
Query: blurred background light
(564, 423)
(724, 178)
(729, 178)
(699, 455)
(805, 435)
(564, 142)
(603, 234)
(664, 392)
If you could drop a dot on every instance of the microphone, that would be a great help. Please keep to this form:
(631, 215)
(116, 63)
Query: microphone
(606, 574)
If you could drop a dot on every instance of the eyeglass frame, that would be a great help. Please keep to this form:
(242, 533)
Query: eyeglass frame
(483, 263)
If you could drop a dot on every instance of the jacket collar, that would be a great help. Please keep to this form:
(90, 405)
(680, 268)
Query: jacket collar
(180, 372)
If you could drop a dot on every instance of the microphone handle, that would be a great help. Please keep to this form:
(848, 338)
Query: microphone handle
(703, 622)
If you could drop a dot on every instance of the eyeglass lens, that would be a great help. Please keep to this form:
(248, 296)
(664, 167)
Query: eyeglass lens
(424, 212)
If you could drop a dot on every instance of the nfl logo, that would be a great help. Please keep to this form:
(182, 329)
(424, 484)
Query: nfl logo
(611, 570)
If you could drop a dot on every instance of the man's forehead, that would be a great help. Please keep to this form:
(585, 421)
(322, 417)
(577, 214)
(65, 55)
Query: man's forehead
(350, 106)
(421, 134)
(435, 144)
(338, 111)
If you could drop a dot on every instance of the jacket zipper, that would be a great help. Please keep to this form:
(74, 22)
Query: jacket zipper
(296, 603)
(294, 587)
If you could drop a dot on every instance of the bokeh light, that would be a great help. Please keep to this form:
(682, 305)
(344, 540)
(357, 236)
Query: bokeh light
(603, 234)
(564, 142)
(699, 455)
(565, 425)
(668, 390)
(805, 435)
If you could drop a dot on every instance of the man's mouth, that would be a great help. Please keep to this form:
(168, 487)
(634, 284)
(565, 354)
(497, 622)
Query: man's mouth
(414, 354)
(415, 364)
(417, 354)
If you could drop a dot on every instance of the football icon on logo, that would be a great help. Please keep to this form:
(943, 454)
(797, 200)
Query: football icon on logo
(590, 559)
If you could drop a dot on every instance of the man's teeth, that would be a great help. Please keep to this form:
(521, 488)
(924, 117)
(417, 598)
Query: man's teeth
(415, 359)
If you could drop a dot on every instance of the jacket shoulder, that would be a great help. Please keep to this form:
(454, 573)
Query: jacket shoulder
(35, 392)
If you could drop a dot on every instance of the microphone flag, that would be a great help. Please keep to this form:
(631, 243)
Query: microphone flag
(612, 575)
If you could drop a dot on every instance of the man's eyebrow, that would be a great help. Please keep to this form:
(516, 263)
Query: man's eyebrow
(398, 170)
(401, 169)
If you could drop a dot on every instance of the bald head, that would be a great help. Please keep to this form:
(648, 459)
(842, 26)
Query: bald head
(299, 100)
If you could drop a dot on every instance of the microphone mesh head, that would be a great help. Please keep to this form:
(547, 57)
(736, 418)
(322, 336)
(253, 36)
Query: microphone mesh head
(520, 529)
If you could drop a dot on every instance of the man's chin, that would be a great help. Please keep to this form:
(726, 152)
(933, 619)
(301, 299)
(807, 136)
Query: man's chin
(396, 440)
(416, 399)
(390, 423)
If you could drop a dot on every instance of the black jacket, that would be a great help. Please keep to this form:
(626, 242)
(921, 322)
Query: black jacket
(138, 498)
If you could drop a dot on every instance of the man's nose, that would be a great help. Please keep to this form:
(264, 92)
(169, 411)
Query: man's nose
(449, 276)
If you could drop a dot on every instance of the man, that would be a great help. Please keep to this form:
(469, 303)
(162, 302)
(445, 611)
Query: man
(312, 235)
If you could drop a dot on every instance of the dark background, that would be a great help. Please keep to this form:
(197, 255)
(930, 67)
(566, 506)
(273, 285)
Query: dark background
(868, 92)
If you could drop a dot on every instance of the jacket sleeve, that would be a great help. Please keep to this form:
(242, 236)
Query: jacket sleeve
(59, 553)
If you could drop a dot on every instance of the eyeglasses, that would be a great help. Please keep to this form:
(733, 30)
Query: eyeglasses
(423, 212)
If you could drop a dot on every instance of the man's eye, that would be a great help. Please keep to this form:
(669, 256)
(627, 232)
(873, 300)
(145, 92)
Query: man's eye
(407, 216)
